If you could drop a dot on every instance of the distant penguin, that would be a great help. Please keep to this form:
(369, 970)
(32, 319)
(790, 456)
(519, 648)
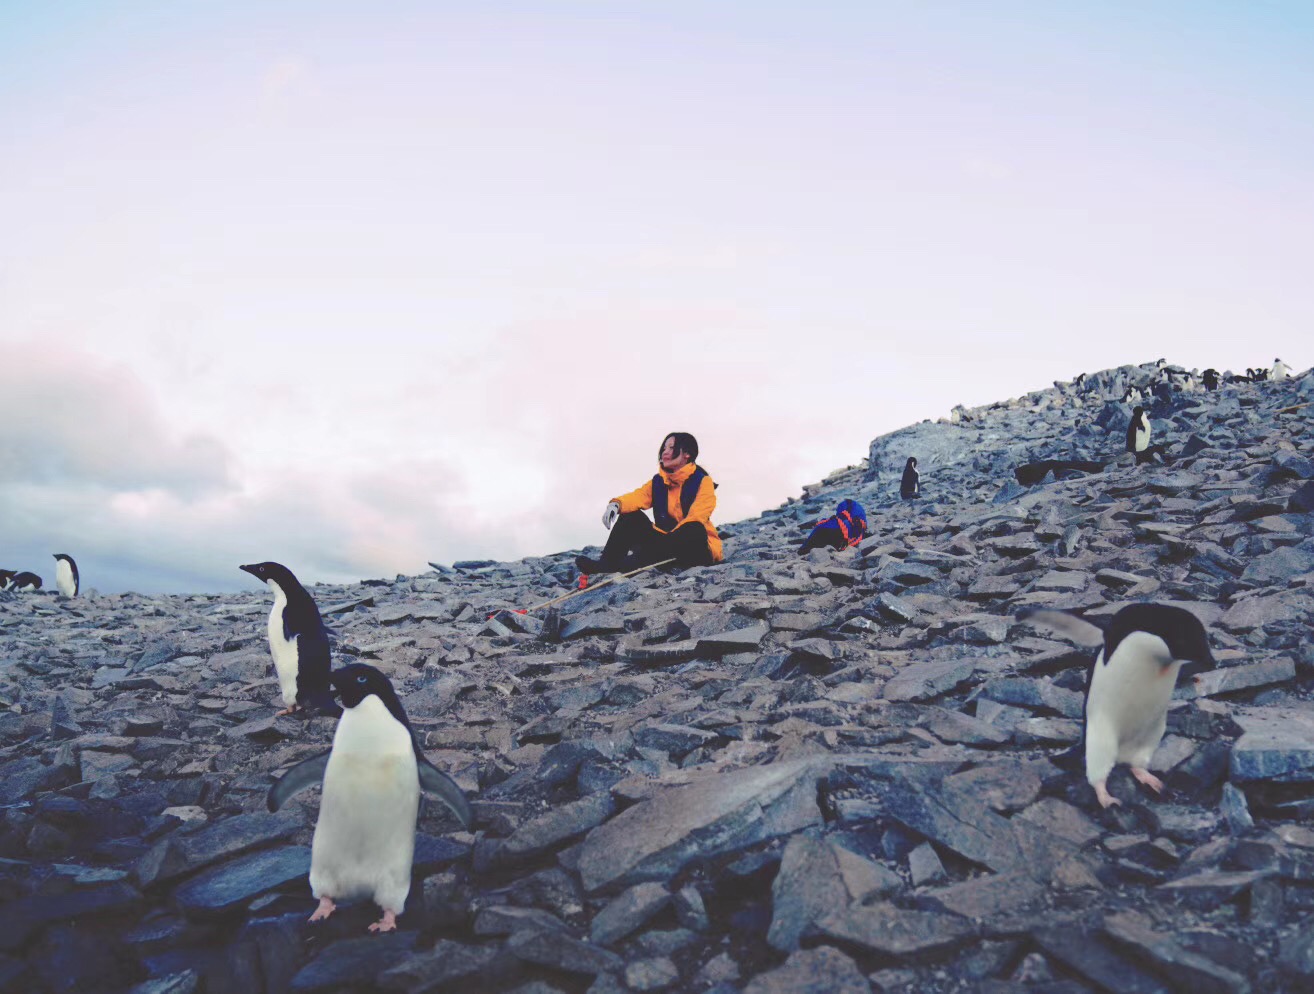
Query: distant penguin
(1210, 379)
(66, 575)
(6, 577)
(1129, 687)
(298, 641)
(911, 484)
(364, 839)
(1138, 432)
(1280, 370)
(24, 581)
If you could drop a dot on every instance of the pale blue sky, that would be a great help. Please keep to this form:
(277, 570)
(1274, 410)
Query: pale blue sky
(360, 286)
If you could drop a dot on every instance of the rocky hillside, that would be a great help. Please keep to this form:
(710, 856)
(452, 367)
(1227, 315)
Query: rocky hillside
(779, 774)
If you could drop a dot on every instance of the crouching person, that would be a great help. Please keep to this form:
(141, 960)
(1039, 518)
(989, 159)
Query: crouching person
(682, 498)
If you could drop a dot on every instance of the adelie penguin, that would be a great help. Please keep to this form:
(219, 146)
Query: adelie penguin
(11, 580)
(298, 641)
(1129, 687)
(364, 839)
(66, 574)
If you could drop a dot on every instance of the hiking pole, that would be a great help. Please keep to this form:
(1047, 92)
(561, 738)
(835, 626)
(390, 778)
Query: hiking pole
(596, 586)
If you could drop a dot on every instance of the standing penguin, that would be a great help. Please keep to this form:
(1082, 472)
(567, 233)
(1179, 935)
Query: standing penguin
(1210, 379)
(365, 837)
(1129, 687)
(1280, 370)
(1138, 433)
(298, 641)
(66, 574)
(910, 486)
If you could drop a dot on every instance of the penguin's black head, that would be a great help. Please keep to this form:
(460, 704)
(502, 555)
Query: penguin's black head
(1180, 630)
(63, 555)
(358, 681)
(264, 572)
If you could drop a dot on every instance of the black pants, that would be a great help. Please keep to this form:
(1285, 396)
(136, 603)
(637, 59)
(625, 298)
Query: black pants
(634, 542)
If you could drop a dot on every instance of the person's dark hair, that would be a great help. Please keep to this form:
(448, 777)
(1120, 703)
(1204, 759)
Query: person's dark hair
(684, 442)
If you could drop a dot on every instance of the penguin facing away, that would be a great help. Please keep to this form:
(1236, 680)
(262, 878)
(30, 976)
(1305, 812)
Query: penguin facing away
(66, 574)
(1138, 431)
(364, 840)
(1129, 687)
(298, 641)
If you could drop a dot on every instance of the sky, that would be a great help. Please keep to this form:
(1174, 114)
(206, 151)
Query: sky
(356, 287)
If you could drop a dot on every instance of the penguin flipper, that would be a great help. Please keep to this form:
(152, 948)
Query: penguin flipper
(307, 773)
(1078, 629)
(437, 782)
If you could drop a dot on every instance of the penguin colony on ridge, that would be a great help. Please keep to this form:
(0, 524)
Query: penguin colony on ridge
(372, 776)
(364, 840)
(298, 641)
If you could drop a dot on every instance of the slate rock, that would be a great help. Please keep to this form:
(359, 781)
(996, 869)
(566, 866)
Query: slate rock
(654, 839)
(447, 967)
(352, 962)
(227, 887)
(180, 854)
(653, 974)
(562, 952)
(892, 931)
(924, 681)
(21, 918)
(1296, 954)
(558, 826)
(989, 897)
(1277, 744)
(1189, 970)
(628, 912)
(1093, 956)
(807, 886)
(823, 970)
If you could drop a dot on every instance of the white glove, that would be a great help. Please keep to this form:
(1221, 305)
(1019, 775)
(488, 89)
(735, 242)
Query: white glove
(610, 515)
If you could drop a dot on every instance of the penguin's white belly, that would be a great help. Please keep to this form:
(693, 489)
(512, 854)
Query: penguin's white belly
(1142, 439)
(1128, 703)
(64, 578)
(365, 838)
(284, 650)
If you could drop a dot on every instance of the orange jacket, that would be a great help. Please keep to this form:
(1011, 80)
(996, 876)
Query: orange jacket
(700, 510)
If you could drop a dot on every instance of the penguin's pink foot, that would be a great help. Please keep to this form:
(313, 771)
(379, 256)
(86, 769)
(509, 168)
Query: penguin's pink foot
(285, 712)
(1148, 778)
(387, 923)
(326, 908)
(1102, 795)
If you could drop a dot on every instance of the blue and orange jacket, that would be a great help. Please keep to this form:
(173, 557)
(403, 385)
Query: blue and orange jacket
(700, 508)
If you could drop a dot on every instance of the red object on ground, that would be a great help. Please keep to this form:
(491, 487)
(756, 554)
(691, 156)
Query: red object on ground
(583, 580)
(523, 610)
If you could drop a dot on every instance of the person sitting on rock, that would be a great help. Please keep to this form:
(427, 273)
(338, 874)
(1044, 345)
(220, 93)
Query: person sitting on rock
(682, 498)
(844, 529)
(911, 484)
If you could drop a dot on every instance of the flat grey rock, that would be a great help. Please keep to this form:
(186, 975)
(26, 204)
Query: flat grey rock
(227, 887)
(721, 813)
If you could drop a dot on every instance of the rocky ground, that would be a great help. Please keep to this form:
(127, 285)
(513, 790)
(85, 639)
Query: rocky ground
(778, 774)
